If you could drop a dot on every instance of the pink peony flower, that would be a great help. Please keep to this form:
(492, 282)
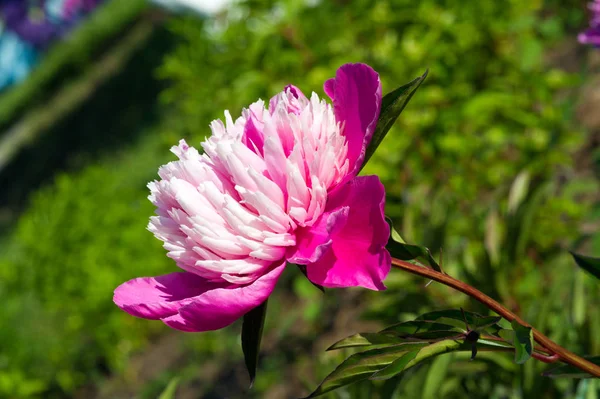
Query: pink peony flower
(277, 185)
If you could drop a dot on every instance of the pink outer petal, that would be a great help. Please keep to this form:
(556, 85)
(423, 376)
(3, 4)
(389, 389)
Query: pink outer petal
(356, 95)
(158, 297)
(357, 256)
(219, 307)
(312, 242)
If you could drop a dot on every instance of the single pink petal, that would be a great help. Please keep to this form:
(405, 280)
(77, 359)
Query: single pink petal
(158, 297)
(357, 256)
(356, 95)
(253, 137)
(219, 307)
(312, 242)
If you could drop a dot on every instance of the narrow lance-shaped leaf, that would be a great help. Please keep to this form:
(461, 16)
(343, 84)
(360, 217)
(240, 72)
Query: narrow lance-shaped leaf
(457, 318)
(587, 263)
(367, 339)
(568, 371)
(252, 328)
(523, 342)
(411, 359)
(392, 105)
(408, 328)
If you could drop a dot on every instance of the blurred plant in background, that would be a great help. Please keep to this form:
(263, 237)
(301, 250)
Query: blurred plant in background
(487, 162)
(31, 27)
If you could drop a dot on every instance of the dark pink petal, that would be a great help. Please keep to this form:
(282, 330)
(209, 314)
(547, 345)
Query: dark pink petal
(219, 307)
(312, 242)
(253, 137)
(357, 256)
(158, 297)
(356, 95)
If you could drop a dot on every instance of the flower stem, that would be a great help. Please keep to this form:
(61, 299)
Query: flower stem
(563, 354)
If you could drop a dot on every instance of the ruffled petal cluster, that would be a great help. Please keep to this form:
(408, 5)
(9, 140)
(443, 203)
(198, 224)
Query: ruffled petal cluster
(276, 185)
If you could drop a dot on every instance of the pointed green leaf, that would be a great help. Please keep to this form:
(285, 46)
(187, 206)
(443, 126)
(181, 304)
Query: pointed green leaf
(407, 361)
(171, 389)
(392, 105)
(401, 250)
(358, 367)
(252, 328)
(396, 367)
(568, 371)
(455, 317)
(523, 342)
(408, 328)
(367, 339)
(589, 264)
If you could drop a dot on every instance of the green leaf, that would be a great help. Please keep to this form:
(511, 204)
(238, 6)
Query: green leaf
(369, 339)
(518, 191)
(396, 367)
(392, 105)
(252, 328)
(358, 367)
(384, 363)
(401, 250)
(409, 328)
(568, 371)
(455, 317)
(171, 389)
(413, 358)
(587, 263)
(523, 342)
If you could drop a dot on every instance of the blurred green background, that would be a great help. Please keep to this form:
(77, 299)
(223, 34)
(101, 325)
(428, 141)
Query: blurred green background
(496, 160)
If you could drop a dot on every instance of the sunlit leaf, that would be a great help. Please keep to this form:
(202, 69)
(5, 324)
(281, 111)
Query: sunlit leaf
(370, 339)
(518, 191)
(523, 342)
(171, 389)
(412, 358)
(568, 371)
(396, 367)
(587, 263)
(392, 105)
(252, 328)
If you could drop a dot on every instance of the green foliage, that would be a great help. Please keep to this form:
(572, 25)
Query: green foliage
(523, 341)
(80, 238)
(403, 251)
(392, 105)
(478, 164)
(397, 348)
(587, 263)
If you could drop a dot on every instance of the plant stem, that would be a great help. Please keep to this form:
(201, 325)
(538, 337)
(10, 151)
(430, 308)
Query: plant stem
(565, 355)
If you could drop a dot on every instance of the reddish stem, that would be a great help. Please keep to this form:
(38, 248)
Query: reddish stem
(563, 354)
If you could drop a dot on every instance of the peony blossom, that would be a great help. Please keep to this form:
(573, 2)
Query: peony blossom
(277, 185)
